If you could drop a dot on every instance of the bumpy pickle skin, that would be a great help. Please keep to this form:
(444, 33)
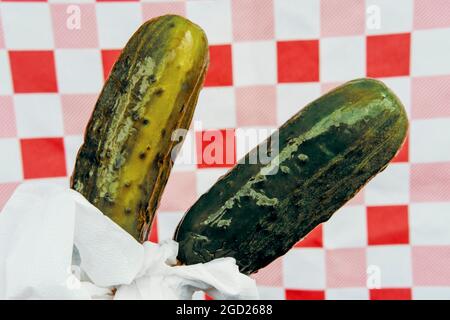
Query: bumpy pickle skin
(327, 152)
(125, 160)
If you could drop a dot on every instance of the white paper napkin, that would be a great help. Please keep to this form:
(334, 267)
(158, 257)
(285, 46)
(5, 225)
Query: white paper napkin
(55, 245)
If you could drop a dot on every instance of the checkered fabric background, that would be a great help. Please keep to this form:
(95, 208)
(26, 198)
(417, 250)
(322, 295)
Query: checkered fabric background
(268, 59)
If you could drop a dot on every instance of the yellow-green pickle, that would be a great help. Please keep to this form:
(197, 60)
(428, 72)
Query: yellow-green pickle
(125, 160)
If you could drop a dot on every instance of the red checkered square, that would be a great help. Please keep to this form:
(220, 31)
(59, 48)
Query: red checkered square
(220, 70)
(8, 126)
(387, 225)
(430, 182)
(208, 297)
(346, 268)
(152, 10)
(216, 148)
(431, 14)
(6, 190)
(252, 20)
(314, 239)
(270, 276)
(358, 199)
(298, 61)
(256, 106)
(403, 154)
(43, 157)
(109, 58)
(431, 265)
(388, 55)
(180, 192)
(391, 294)
(70, 32)
(33, 71)
(338, 22)
(153, 235)
(305, 294)
(77, 110)
(430, 97)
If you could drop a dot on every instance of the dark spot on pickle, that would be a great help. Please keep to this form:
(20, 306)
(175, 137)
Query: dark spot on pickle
(159, 92)
(186, 86)
(127, 211)
(145, 121)
(259, 184)
(163, 132)
(123, 86)
(135, 116)
(142, 155)
(272, 216)
(126, 61)
(108, 199)
(160, 159)
(127, 184)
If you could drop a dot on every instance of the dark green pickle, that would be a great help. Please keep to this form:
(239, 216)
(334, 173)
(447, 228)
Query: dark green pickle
(327, 152)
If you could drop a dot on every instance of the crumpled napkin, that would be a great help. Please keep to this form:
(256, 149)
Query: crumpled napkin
(55, 245)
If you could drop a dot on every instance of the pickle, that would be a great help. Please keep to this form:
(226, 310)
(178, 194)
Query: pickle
(125, 160)
(327, 152)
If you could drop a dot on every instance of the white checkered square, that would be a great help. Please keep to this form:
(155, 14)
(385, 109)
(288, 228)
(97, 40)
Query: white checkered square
(297, 19)
(5, 74)
(38, 115)
(394, 263)
(79, 71)
(27, 25)
(292, 97)
(304, 269)
(395, 16)
(71, 146)
(117, 22)
(342, 58)
(215, 18)
(430, 140)
(216, 108)
(389, 187)
(429, 223)
(254, 63)
(10, 157)
(347, 228)
(430, 52)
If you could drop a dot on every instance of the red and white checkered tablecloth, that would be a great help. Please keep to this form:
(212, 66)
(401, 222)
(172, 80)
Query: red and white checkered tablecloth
(268, 59)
